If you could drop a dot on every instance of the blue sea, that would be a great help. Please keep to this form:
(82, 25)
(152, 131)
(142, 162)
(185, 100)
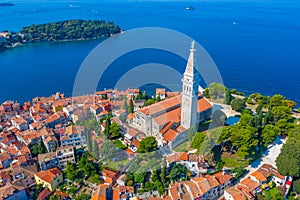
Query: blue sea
(254, 43)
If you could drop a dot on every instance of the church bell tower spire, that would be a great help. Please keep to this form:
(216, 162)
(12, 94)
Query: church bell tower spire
(190, 87)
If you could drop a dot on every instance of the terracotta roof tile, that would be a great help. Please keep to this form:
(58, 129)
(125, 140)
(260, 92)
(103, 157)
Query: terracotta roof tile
(203, 105)
(49, 174)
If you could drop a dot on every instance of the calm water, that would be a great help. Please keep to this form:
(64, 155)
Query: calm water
(259, 53)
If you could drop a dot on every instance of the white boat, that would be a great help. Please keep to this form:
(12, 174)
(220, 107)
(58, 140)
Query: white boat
(190, 8)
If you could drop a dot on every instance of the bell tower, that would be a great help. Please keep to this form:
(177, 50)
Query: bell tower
(190, 87)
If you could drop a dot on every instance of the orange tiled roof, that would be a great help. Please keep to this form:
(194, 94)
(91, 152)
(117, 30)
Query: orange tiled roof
(100, 192)
(52, 118)
(177, 156)
(174, 193)
(170, 135)
(166, 127)
(136, 143)
(193, 188)
(130, 116)
(213, 182)
(49, 174)
(109, 173)
(162, 105)
(203, 184)
(248, 184)
(173, 115)
(203, 105)
(222, 178)
(74, 130)
(259, 176)
(238, 194)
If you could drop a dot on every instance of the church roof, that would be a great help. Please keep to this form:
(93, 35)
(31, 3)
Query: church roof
(203, 105)
(162, 105)
(173, 115)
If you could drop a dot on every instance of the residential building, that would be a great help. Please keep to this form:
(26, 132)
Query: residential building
(252, 187)
(123, 192)
(23, 176)
(44, 194)
(266, 173)
(74, 136)
(60, 158)
(5, 160)
(10, 192)
(236, 194)
(50, 178)
(109, 176)
(102, 192)
(65, 154)
(79, 115)
(161, 93)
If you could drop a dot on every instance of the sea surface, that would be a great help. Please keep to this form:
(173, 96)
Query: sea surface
(254, 43)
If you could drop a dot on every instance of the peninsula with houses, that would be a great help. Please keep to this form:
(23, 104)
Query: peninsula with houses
(211, 143)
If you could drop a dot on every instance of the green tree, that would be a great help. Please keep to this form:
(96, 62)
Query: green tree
(288, 161)
(228, 96)
(88, 141)
(114, 130)
(163, 173)
(277, 100)
(130, 107)
(217, 90)
(238, 172)
(96, 150)
(82, 196)
(259, 108)
(107, 127)
(123, 118)
(281, 112)
(269, 134)
(158, 99)
(104, 96)
(108, 150)
(139, 177)
(254, 98)
(38, 148)
(218, 119)
(148, 144)
(284, 126)
(177, 171)
(244, 138)
(161, 189)
(55, 197)
(296, 186)
(70, 171)
(191, 133)
(273, 194)
(125, 106)
(86, 165)
(238, 105)
(198, 140)
(206, 93)
(95, 178)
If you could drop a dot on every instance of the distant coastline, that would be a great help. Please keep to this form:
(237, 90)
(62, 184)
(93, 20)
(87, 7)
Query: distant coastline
(6, 4)
(68, 30)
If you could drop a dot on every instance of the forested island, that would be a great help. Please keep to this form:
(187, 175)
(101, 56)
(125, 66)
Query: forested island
(59, 31)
